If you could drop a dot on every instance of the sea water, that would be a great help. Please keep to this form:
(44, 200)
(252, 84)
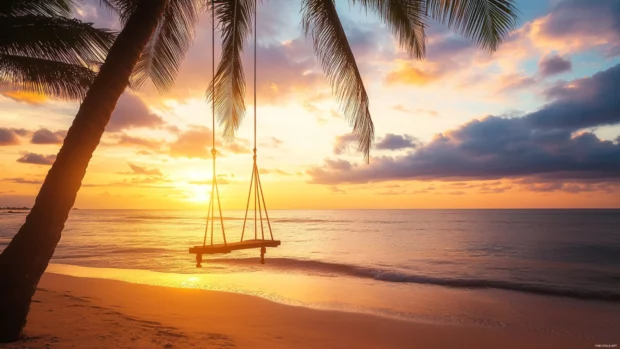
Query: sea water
(548, 270)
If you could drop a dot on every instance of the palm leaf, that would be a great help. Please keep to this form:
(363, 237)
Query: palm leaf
(163, 54)
(227, 90)
(54, 38)
(321, 20)
(36, 7)
(43, 76)
(406, 19)
(487, 22)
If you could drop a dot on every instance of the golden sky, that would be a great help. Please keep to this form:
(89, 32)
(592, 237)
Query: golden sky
(533, 125)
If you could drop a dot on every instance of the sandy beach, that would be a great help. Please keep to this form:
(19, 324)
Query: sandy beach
(72, 312)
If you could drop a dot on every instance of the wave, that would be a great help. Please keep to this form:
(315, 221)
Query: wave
(319, 267)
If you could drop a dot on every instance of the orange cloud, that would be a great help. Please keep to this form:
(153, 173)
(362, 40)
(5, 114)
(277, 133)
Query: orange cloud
(409, 75)
(25, 97)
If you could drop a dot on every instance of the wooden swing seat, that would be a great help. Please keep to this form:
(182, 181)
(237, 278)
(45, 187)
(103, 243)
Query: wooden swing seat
(233, 246)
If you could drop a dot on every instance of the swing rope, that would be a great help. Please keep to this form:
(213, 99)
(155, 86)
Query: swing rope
(256, 186)
(215, 192)
(255, 183)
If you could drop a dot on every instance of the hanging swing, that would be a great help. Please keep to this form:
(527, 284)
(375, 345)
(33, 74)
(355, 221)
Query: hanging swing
(208, 247)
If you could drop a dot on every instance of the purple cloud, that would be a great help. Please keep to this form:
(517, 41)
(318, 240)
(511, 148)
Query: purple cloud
(397, 142)
(543, 144)
(132, 112)
(45, 136)
(8, 137)
(582, 103)
(37, 159)
(574, 19)
(554, 65)
(342, 143)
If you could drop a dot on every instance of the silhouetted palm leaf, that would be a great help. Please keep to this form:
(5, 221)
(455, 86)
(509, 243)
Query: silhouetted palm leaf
(36, 7)
(173, 37)
(54, 38)
(487, 22)
(407, 20)
(227, 91)
(46, 77)
(320, 20)
(43, 51)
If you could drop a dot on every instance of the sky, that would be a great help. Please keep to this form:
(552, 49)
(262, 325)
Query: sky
(533, 125)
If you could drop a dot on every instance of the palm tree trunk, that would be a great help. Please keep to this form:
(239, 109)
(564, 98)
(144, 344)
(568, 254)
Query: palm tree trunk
(25, 259)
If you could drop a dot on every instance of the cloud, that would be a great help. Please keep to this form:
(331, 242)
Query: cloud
(132, 112)
(221, 179)
(403, 109)
(551, 185)
(553, 65)
(406, 74)
(491, 148)
(21, 180)
(511, 82)
(274, 171)
(582, 103)
(272, 142)
(576, 25)
(8, 136)
(397, 142)
(571, 27)
(429, 112)
(342, 143)
(37, 159)
(335, 189)
(192, 143)
(139, 170)
(129, 141)
(25, 97)
(45, 136)
(544, 144)
(236, 148)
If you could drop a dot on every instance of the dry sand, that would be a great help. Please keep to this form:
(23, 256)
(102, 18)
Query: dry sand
(70, 312)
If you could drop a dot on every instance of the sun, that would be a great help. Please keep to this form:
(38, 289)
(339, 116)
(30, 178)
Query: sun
(196, 185)
(199, 193)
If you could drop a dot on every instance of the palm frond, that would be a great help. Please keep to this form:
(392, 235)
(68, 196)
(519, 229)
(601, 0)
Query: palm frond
(47, 77)
(487, 22)
(227, 91)
(406, 19)
(163, 54)
(321, 20)
(54, 38)
(36, 7)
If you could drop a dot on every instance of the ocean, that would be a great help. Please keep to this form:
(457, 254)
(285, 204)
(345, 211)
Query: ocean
(555, 270)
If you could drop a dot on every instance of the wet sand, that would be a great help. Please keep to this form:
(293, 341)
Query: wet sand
(72, 312)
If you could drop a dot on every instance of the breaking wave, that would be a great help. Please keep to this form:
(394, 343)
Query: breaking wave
(326, 268)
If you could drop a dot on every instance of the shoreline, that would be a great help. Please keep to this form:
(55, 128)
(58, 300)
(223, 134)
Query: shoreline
(83, 312)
